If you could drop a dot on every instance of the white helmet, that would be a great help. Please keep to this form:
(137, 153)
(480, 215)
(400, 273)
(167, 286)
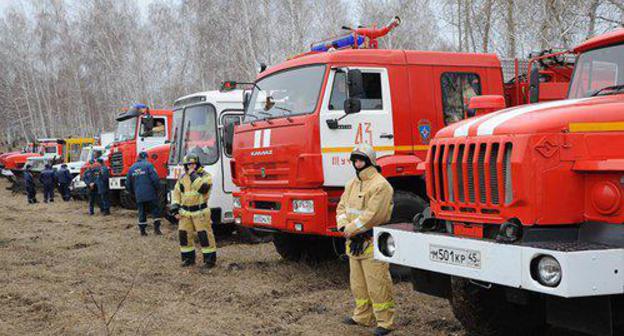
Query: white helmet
(364, 150)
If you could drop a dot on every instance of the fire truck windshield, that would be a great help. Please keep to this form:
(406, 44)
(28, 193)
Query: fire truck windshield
(126, 130)
(286, 93)
(84, 154)
(195, 132)
(599, 72)
(49, 149)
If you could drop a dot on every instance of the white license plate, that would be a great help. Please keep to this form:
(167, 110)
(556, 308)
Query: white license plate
(262, 219)
(115, 183)
(455, 256)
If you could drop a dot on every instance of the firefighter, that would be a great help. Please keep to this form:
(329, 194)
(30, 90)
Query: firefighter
(29, 184)
(48, 179)
(142, 181)
(90, 176)
(63, 178)
(365, 203)
(101, 181)
(190, 206)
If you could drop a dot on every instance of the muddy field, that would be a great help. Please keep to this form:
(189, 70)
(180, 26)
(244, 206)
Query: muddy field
(66, 273)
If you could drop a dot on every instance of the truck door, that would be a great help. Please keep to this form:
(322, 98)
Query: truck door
(372, 125)
(149, 138)
(456, 90)
(226, 152)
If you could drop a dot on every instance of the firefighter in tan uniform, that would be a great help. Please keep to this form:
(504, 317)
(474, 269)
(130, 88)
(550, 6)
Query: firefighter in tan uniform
(365, 203)
(190, 206)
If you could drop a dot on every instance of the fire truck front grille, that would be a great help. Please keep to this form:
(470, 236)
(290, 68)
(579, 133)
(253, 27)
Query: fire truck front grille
(466, 175)
(117, 163)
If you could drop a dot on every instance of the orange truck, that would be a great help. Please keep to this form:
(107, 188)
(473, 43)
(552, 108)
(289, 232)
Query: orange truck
(524, 228)
(304, 116)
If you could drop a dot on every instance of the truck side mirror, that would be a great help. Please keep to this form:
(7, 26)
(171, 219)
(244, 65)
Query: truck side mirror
(228, 137)
(534, 82)
(485, 104)
(355, 89)
(246, 98)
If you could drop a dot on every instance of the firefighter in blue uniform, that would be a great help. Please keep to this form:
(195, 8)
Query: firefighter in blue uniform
(142, 181)
(48, 180)
(63, 178)
(101, 181)
(90, 176)
(29, 184)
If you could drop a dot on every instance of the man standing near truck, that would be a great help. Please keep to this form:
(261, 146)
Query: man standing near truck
(101, 181)
(48, 180)
(29, 184)
(63, 178)
(90, 177)
(365, 203)
(142, 181)
(189, 203)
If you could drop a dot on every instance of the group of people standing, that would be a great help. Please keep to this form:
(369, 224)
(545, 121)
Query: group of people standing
(49, 178)
(96, 176)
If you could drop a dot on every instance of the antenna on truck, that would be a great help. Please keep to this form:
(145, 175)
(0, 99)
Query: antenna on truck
(360, 37)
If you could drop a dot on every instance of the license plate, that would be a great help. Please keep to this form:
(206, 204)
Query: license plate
(262, 219)
(455, 256)
(115, 183)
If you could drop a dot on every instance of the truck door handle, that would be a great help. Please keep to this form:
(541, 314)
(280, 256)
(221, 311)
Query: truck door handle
(386, 136)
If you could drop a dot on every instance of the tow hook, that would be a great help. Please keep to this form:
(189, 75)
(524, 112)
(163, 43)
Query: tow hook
(484, 285)
(425, 222)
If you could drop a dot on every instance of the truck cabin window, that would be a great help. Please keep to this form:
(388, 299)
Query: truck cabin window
(200, 133)
(599, 72)
(229, 120)
(157, 131)
(372, 98)
(174, 152)
(457, 89)
(286, 93)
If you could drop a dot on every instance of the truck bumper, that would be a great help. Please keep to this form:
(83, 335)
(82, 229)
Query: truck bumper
(585, 271)
(272, 210)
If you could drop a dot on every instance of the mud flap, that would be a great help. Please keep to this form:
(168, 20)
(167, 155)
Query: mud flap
(590, 315)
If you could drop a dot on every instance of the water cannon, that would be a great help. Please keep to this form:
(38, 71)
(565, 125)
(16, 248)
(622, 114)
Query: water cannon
(366, 36)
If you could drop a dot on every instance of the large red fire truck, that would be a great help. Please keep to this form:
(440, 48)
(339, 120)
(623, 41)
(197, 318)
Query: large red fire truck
(304, 116)
(524, 228)
(138, 129)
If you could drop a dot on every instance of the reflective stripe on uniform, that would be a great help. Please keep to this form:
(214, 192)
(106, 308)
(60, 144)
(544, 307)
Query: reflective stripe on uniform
(358, 223)
(383, 306)
(341, 217)
(185, 249)
(362, 302)
(208, 249)
(353, 211)
(145, 223)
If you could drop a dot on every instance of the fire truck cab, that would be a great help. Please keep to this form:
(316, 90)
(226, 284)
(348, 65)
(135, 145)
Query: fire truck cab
(200, 121)
(304, 116)
(524, 228)
(138, 129)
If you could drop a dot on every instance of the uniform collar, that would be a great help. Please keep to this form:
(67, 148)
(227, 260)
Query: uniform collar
(367, 173)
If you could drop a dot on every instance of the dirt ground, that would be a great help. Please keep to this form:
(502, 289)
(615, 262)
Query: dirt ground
(66, 273)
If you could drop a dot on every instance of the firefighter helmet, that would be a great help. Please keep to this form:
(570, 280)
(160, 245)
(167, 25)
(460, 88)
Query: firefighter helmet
(190, 159)
(364, 151)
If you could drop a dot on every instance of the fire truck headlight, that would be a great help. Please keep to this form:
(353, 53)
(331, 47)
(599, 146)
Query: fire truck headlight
(236, 202)
(547, 270)
(386, 244)
(303, 206)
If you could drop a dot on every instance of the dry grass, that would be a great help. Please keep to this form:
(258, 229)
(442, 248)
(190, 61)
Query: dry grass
(66, 273)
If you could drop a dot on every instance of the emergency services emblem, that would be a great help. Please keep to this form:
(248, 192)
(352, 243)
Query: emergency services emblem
(263, 172)
(424, 129)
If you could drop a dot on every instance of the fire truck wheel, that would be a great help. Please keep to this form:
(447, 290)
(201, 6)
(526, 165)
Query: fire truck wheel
(290, 247)
(406, 206)
(251, 236)
(126, 200)
(487, 312)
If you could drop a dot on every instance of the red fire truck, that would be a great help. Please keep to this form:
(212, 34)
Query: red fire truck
(304, 116)
(138, 129)
(524, 228)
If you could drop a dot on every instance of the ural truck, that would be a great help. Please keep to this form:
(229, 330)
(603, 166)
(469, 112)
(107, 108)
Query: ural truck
(70, 152)
(201, 123)
(138, 129)
(524, 228)
(304, 116)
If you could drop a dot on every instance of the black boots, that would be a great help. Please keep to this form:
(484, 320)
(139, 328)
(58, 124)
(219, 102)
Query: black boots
(157, 227)
(142, 228)
(381, 331)
(188, 258)
(210, 259)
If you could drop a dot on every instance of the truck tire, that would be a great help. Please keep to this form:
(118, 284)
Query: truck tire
(126, 200)
(251, 236)
(406, 206)
(310, 249)
(486, 312)
(290, 247)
